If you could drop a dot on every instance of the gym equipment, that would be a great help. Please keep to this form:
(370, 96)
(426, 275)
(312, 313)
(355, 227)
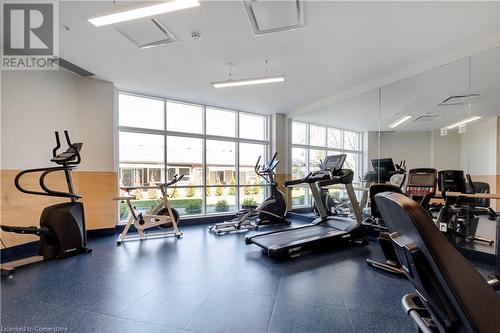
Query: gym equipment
(62, 226)
(333, 206)
(421, 188)
(270, 212)
(451, 296)
(162, 216)
(459, 217)
(422, 185)
(391, 264)
(384, 170)
(325, 230)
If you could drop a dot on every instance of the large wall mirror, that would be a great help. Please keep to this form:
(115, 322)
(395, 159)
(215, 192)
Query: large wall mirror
(445, 118)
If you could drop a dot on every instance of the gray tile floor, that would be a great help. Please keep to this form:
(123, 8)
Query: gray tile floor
(205, 283)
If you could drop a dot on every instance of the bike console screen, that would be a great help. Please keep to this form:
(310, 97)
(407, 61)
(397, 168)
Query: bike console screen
(421, 182)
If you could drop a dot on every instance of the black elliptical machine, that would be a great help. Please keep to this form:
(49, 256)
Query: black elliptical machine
(270, 212)
(62, 226)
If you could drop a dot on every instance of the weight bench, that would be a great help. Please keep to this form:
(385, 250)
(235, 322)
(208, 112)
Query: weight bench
(451, 296)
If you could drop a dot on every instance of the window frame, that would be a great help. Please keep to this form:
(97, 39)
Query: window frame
(308, 147)
(204, 137)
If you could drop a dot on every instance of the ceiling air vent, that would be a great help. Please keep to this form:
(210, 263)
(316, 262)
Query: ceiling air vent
(273, 16)
(147, 33)
(427, 117)
(459, 99)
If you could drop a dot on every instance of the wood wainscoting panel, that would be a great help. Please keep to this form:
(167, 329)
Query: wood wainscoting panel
(19, 209)
(98, 190)
(493, 180)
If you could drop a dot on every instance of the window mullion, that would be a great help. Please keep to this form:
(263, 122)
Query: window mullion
(165, 156)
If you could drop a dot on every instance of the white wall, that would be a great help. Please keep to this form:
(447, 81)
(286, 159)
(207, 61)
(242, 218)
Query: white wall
(36, 103)
(479, 147)
(414, 147)
(445, 150)
(426, 149)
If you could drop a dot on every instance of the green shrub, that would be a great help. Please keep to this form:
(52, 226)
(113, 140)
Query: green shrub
(124, 211)
(247, 190)
(208, 190)
(174, 193)
(221, 206)
(299, 200)
(249, 202)
(219, 190)
(147, 204)
(182, 203)
(190, 191)
(256, 187)
(193, 207)
(232, 190)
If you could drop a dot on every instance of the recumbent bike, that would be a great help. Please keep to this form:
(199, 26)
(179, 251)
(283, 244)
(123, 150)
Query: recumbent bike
(450, 295)
(421, 187)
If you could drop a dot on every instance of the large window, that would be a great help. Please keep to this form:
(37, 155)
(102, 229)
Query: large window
(311, 143)
(215, 150)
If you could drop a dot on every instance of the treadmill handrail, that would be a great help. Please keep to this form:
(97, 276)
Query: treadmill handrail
(296, 182)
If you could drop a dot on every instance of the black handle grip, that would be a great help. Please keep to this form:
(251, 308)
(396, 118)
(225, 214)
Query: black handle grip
(274, 157)
(58, 145)
(257, 166)
(68, 141)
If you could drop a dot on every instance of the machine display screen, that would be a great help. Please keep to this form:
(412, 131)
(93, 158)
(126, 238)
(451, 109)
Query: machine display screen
(421, 180)
(334, 162)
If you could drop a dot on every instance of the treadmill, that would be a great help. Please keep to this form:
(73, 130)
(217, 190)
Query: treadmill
(325, 230)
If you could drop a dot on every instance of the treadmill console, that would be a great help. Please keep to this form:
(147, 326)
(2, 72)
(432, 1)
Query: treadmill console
(421, 182)
(384, 168)
(333, 163)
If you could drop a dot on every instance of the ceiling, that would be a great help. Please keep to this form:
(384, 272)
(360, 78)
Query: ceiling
(420, 95)
(343, 45)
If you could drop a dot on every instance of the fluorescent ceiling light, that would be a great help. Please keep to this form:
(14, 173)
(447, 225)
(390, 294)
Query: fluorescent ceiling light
(462, 122)
(248, 82)
(148, 11)
(400, 121)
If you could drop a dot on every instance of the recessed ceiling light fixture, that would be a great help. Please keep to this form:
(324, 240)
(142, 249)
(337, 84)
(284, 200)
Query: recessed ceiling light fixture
(462, 122)
(400, 121)
(248, 82)
(148, 11)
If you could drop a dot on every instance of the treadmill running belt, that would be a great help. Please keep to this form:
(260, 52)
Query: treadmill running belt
(299, 235)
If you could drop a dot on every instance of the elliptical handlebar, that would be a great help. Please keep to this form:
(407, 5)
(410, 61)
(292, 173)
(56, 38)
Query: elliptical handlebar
(257, 167)
(47, 191)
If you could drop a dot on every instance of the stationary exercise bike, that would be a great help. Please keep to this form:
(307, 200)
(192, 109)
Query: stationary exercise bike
(162, 216)
(62, 226)
(272, 211)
